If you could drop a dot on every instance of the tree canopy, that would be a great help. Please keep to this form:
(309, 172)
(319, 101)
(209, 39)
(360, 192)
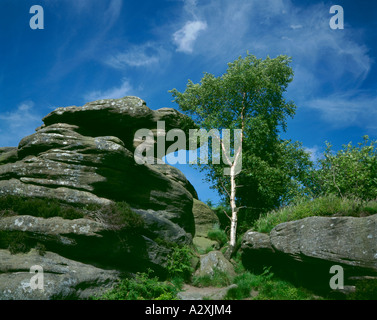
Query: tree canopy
(250, 96)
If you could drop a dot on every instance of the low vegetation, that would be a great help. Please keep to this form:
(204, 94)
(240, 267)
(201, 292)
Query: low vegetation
(144, 286)
(38, 207)
(218, 279)
(218, 235)
(266, 286)
(117, 216)
(328, 206)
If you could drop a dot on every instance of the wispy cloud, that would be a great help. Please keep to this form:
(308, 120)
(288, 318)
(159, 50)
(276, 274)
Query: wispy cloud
(276, 27)
(326, 62)
(342, 110)
(18, 123)
(143, 55)
(123, 90)
(97, 16)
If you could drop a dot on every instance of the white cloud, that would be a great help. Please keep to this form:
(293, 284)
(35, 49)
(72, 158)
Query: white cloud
(185, 37)
(123, 90)
(19, 123)
(324, 60)
(278, 27)
(190, 6)
(143, 55)
(21, 116)
(296, 26)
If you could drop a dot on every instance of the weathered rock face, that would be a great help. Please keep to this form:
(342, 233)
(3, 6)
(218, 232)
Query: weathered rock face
(214, 260)
(205, 220)
(119, 118)
(85, 155)
(62, 278)
(310, 246)
(341, 240)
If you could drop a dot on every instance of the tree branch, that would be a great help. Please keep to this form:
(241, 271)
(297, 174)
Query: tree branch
(227, 215)
(222, 184)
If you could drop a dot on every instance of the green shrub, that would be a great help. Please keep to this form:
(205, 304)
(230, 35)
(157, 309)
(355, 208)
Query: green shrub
(218, 235)
(350, 172)
(142, 287)
(179, 263)
(217, 279)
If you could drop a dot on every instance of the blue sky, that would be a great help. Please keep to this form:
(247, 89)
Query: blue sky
(92, 49)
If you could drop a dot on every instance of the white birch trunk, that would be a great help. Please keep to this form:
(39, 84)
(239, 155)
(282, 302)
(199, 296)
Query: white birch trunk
(233, 224)
(234, 209)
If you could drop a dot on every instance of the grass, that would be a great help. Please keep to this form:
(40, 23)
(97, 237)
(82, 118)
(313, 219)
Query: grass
(217, 279)
(266, 287)
(323, 206)
(218, 235)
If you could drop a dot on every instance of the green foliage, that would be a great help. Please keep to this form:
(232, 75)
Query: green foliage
(38, 207)
(266, 287)
(271, 179)
(249, 96)
(218, 235)
(119, 216)
(41, 248)
(179, 263)
(15, 242)
(351, 172)
(217, 279)
(222, 211)
(20, 242)
(365, 290)
(323, 206)
(142, 287)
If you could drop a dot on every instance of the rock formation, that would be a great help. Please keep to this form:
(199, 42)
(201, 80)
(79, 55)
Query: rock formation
(85, 156)
(306, 249)
(213, 261)
(205, 220)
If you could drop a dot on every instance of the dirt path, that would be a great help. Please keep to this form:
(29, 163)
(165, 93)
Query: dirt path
(211, 293)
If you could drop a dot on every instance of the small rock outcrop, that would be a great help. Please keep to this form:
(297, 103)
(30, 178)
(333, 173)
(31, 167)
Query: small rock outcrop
(85, 156)
(205, 220)
(213, 261)
(308, 248)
